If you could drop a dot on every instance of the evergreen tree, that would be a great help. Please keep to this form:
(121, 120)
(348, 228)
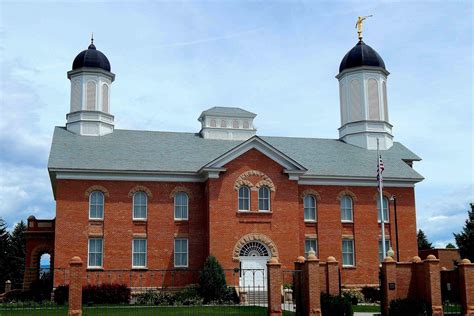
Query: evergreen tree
(4, 254)
(423, 241)
(465, 239)
(212, 280)
(17, 254)
(450, 246)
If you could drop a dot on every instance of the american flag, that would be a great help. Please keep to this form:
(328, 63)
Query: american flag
(380, 169)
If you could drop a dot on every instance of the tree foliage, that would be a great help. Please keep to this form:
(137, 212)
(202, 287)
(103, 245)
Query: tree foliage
(423, 242)
(212, 280)
(450, 246)
(12, 254)
(465, 239)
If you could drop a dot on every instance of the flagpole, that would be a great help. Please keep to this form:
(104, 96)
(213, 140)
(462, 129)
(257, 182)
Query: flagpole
(382, 219)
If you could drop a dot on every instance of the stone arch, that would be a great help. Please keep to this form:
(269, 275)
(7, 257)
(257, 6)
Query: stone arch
(254, 237)
(140, 188)
(384, 193)
(265, 180)
(181, 189)
(347, 192)
(311, 192)
(96, 188)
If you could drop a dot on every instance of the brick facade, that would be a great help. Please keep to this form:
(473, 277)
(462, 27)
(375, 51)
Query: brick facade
(215, 226)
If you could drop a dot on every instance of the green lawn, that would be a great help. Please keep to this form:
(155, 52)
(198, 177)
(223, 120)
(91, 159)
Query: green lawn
(141, 310)
(366, 308)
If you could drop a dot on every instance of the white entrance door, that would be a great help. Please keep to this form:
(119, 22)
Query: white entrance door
(253, 274)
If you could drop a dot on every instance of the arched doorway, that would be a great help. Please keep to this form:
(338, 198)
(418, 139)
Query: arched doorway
(253, 257)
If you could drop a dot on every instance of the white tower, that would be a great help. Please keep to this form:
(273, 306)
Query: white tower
(363, 98)
(91, 80)
(227, 123)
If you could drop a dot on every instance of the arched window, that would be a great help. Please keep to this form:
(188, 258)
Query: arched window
(309, 208)
(374, 104)
(386, 216)
(223, 123)
(140, 205)
(105, 98)
(91, 96)
(76, 96)
(244, 198)
(356, 103)
(246, 124)
(213, 123)
(346, 209)
(96, 205)
(181, 206)
(264, 199)
(235, 124)
(385, 105)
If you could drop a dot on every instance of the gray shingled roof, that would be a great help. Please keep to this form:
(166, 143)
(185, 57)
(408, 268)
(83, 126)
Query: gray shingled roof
(128, 150)
(227, 111)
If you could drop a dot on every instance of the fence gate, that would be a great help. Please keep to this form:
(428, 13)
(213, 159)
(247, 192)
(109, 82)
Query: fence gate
(450, 292)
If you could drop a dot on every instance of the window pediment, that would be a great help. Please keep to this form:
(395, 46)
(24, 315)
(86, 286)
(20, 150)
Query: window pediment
(243, 180)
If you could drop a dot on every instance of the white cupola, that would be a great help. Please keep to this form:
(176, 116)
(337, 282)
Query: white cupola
(227, 123)
(91, 81)
(363, 99)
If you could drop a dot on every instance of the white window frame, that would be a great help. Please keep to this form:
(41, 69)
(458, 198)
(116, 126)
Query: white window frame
(353, 252)
(243, 198)
(103, 205)
(387, 247)
(139, 253)
(310, 220)
(344, 208)
(263, 198)
(309, 239)
(187, 206)
(146, 206)
(387, 218)
(89, 253)
(186, 253)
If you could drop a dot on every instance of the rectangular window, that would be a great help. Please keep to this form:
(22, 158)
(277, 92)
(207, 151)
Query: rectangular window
(140, 205)
(386, 215)
(139, 253)
(181, 206)
(181, 252)
(310, 243)
(348, 252)
(95, 253)
(387, 247)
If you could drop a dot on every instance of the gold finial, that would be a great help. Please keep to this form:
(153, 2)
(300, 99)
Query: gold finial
(359, 23)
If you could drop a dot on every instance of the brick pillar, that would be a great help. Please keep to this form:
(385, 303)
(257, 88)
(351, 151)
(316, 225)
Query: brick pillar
(8, 286)
(274, 282)
(466, 286)
(312, 288)
(433, 284)
(389, 283)
(332, 276)
(299, 285)
(75, 286)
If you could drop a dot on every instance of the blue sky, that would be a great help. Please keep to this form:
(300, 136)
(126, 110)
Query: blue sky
(277, 59)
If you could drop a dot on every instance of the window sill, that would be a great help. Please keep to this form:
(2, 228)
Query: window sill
(139, 268)
(349, 267)
(100, 220)
(139, 219)
(347, 222)
(255, 212)
(181, 219)
(181, 267)
(310, 223)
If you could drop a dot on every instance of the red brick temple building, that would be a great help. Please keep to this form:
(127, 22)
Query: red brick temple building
(148, 200)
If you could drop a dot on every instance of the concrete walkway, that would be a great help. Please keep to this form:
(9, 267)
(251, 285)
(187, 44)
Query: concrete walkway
(366, 314)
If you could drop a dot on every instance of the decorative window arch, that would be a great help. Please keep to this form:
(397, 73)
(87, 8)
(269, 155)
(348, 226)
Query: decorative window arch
(223, 123)
(140, 205)
(346, 209)
(213, 123)
(244, 198)
(96, 205)
(138, 188)
(105, 98)
(254, 249)
(246, 124)
(264, 198)
(235, 124)
(96, 188)
(181, 205)
(91, 95)
(309, 203)
(265, 240)
(264, 181)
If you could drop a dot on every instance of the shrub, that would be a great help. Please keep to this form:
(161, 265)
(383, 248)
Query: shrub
(335, 305)
(189, 296)
(371, 294)
(41, 289)
(153, 297)
(409, 307)
(18, 296)
(107, 293)
(354, 296)
(61, 294)
(212, 280)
